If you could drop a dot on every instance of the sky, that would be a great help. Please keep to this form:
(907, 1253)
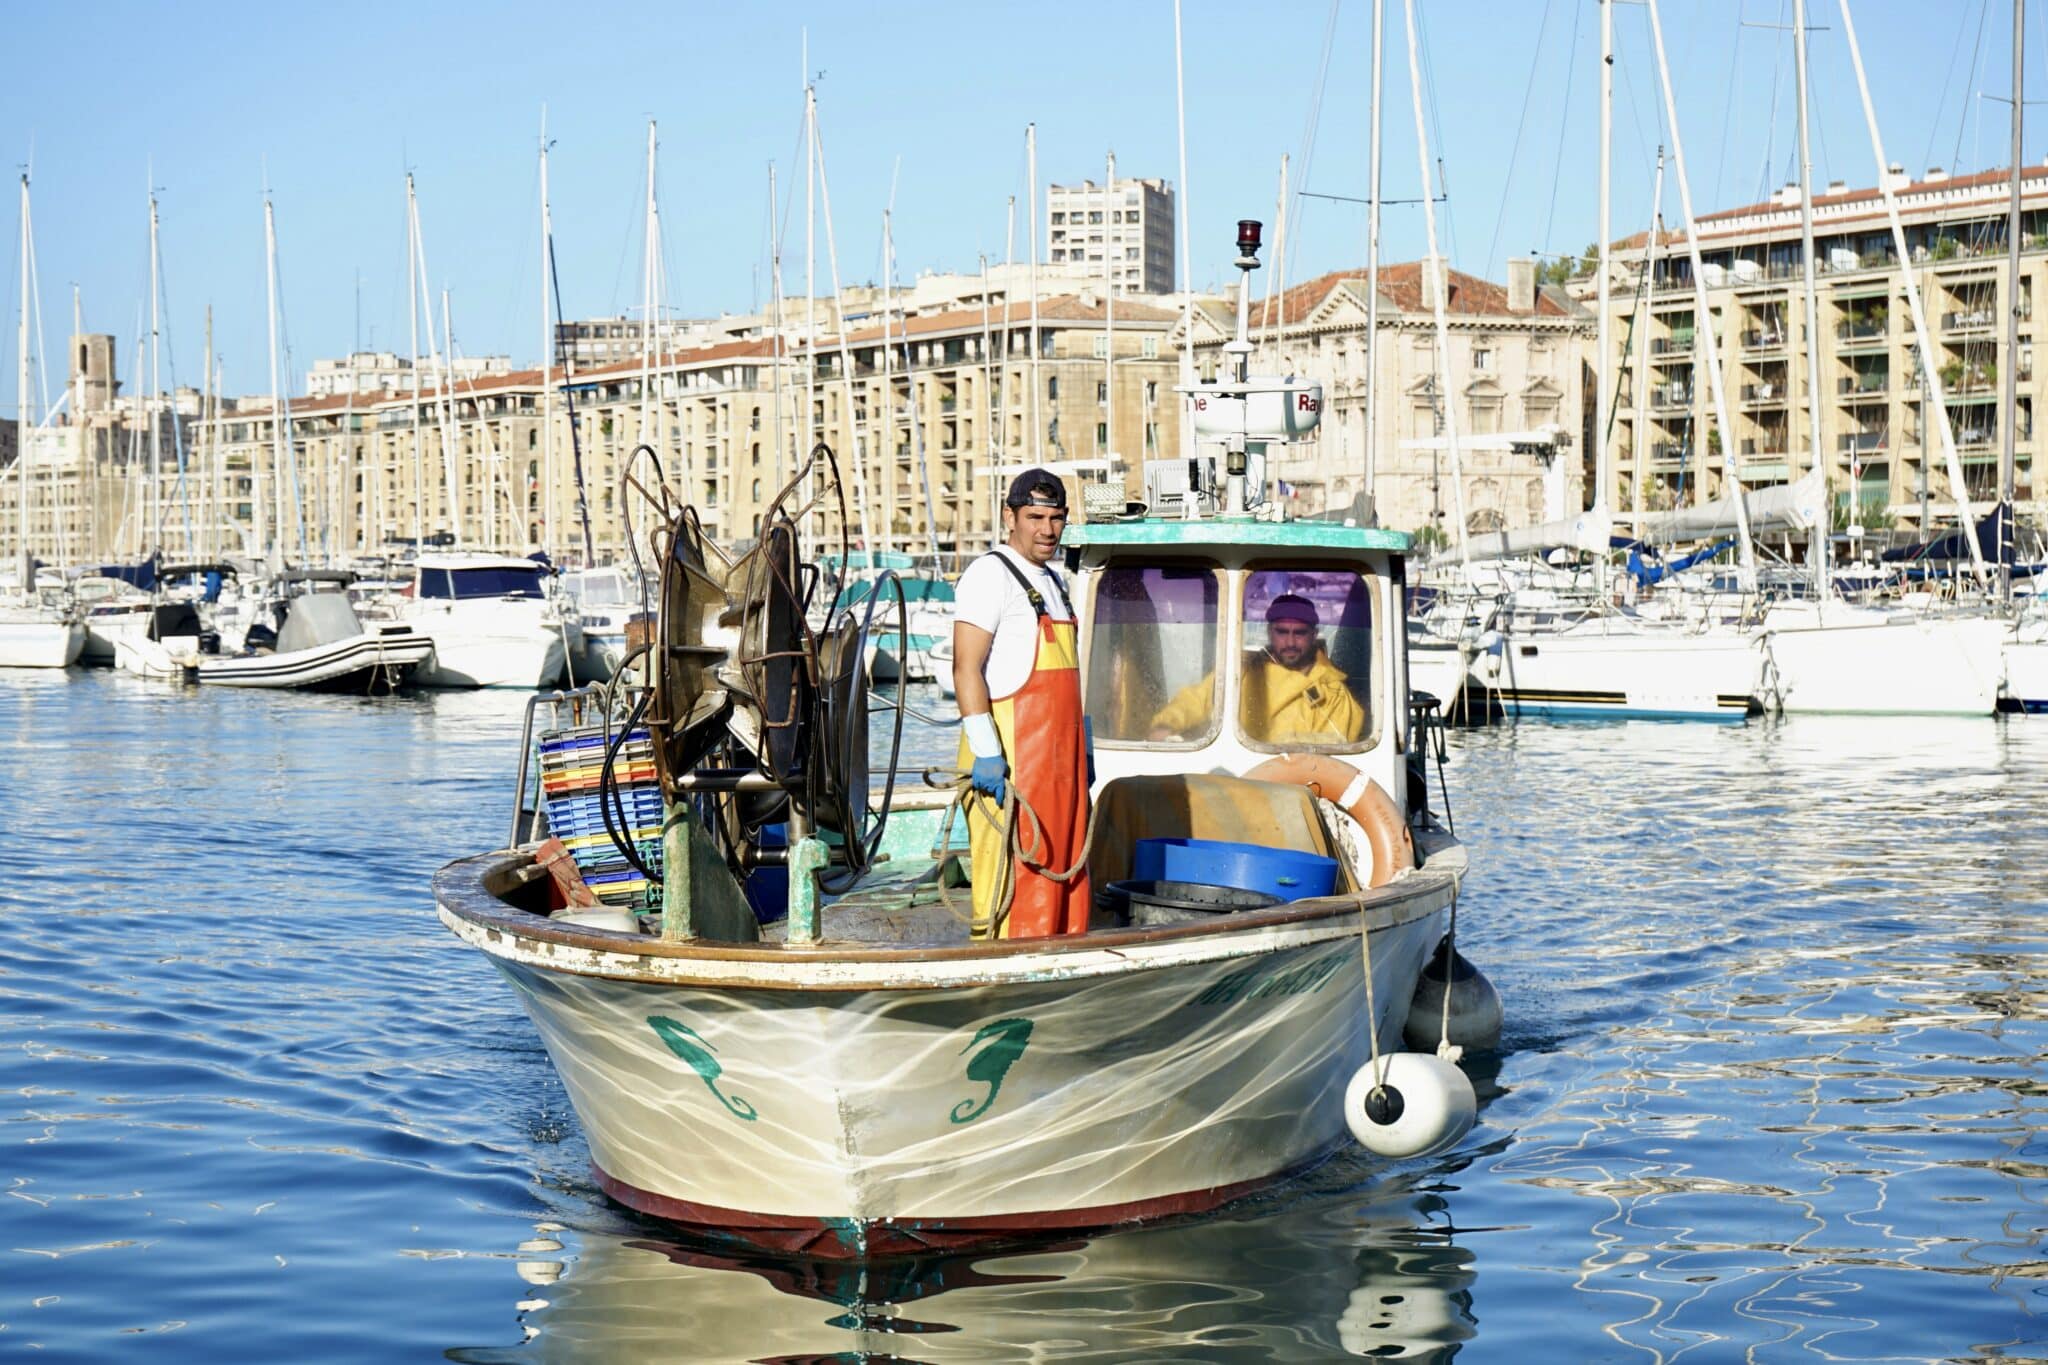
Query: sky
(921, 104)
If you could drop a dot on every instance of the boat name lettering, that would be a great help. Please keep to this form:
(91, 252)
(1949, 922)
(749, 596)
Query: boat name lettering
(692, 1047)
(1247, 985)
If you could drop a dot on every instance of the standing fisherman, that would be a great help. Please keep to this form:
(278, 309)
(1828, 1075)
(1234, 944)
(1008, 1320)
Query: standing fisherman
(1017, 674)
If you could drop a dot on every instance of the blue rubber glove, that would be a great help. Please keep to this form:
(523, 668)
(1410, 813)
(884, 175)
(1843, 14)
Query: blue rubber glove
(1088, 740)
(987, 776)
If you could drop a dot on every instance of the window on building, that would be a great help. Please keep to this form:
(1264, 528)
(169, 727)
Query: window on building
(1485, 418)
(1149, 348)
(1052, 387)
(1058, 216)
(1102, 391)
(1482, 357)
(1095, 216)
(1101, 347)
(1151, 392)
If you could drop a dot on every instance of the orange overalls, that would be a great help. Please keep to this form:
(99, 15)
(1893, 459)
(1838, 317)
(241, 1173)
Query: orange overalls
(1050, 771)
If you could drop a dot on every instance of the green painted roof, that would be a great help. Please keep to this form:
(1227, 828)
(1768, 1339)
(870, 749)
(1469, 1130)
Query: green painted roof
(1292, 535)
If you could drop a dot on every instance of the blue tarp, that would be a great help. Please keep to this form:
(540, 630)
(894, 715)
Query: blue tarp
(1646, 574)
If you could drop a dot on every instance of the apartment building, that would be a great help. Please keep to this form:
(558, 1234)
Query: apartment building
(1882, 452)
(1131, 221)
(1517, 364)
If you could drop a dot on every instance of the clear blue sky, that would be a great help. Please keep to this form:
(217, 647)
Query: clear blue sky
(338, 101)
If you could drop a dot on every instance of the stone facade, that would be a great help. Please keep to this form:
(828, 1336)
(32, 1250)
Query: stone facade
(1517, 364)
(1875, 439)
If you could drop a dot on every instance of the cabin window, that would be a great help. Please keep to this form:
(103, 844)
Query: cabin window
(1307, 668)
(483, 582)
(1152, 655)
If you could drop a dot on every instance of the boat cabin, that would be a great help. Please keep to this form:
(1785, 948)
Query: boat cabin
(464, 577)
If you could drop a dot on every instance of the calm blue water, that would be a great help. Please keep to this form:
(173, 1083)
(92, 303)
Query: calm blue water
(1772, 1088)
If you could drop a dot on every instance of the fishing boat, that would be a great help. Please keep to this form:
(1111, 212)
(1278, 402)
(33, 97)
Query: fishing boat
(314, 641)
(861, 1074)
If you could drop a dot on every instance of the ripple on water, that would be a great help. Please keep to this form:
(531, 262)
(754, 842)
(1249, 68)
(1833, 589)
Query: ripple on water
(1770, 1082)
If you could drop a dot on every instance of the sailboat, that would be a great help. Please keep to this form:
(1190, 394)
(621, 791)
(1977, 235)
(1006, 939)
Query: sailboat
(34, 632)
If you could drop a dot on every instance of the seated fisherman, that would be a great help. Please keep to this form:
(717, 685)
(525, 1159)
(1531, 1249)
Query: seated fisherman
(1292, 692)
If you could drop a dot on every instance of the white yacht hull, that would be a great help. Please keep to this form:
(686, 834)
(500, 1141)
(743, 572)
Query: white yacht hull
(1656, 675)
(40, 644)
(1440, 668)
(2026, 671)
(382, 658)
(1913, 666)
(526, 661)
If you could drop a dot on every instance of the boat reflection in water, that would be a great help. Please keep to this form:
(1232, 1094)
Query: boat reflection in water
(1374, 1274)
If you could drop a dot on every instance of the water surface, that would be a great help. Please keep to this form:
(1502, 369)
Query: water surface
(1771, 1088)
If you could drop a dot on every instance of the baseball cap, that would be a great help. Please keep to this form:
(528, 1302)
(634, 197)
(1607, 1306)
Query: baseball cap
(1028, 490)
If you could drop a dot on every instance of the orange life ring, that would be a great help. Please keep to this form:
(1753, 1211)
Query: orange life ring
(1358, 796)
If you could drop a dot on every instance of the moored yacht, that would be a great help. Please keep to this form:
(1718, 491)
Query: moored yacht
(492, 620)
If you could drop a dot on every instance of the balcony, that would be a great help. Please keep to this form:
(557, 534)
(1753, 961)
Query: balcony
(1763, 393)
(1679, 343)
(1860, 442)
(1973, 320)
(1861, 330)
(1872, 385)
(1764, 339)
(1767, 444)
(1671, 395)
(1668, 453)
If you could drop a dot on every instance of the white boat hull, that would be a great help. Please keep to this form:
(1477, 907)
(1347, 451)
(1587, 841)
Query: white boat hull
(2026, 673)
(40, 644)
(524, 661)
(382, 658)
(173, 658)
(1439, 668)
(1914, 666)
(1659, 675)
(866, 1107)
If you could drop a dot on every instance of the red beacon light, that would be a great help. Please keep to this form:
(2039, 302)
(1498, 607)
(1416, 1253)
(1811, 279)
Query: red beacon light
(1248, 241)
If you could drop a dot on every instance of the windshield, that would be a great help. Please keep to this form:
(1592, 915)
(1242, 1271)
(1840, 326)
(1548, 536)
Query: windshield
(1308, 659)
(495, 581)
(1152, 655)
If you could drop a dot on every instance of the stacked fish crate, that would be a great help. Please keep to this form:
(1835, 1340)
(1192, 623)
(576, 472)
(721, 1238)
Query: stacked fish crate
(571, 773)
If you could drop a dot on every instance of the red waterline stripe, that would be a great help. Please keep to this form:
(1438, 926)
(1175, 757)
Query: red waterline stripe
(844, 1239)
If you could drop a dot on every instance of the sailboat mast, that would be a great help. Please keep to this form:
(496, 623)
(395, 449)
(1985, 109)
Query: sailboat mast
(648, 252)
(1703, 320)
(1639, 382)
(1031, 230)
(1109, 315)
(1817, 549)
(775, 291)
(860, 472)
(412, 295)
(156, 391)
(1002, 433)
(277, 433)
(546, 525)
(209, 504)
(1372, 266)
(1441, 268)
(21, 412)
(2009, 433)
(1603, 397)
(451, 430)
(1937, 396)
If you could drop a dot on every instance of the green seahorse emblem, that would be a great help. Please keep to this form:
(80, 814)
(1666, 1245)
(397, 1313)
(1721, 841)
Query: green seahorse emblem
(1006, 1039)
(689, 1045)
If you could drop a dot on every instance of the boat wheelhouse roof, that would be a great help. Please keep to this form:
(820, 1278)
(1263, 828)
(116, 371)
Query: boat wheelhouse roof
(1167, 534)
(478, 559)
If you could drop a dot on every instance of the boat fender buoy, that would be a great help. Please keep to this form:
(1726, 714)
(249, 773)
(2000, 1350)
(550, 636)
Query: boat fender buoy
(1475, 1007)
(1412, 1104)
(1358, 796)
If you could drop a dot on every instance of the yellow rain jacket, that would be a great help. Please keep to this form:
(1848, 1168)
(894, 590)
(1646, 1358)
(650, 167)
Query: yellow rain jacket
(1280, 706)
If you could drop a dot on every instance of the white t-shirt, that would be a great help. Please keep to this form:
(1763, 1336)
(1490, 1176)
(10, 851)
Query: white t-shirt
(988, 596)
